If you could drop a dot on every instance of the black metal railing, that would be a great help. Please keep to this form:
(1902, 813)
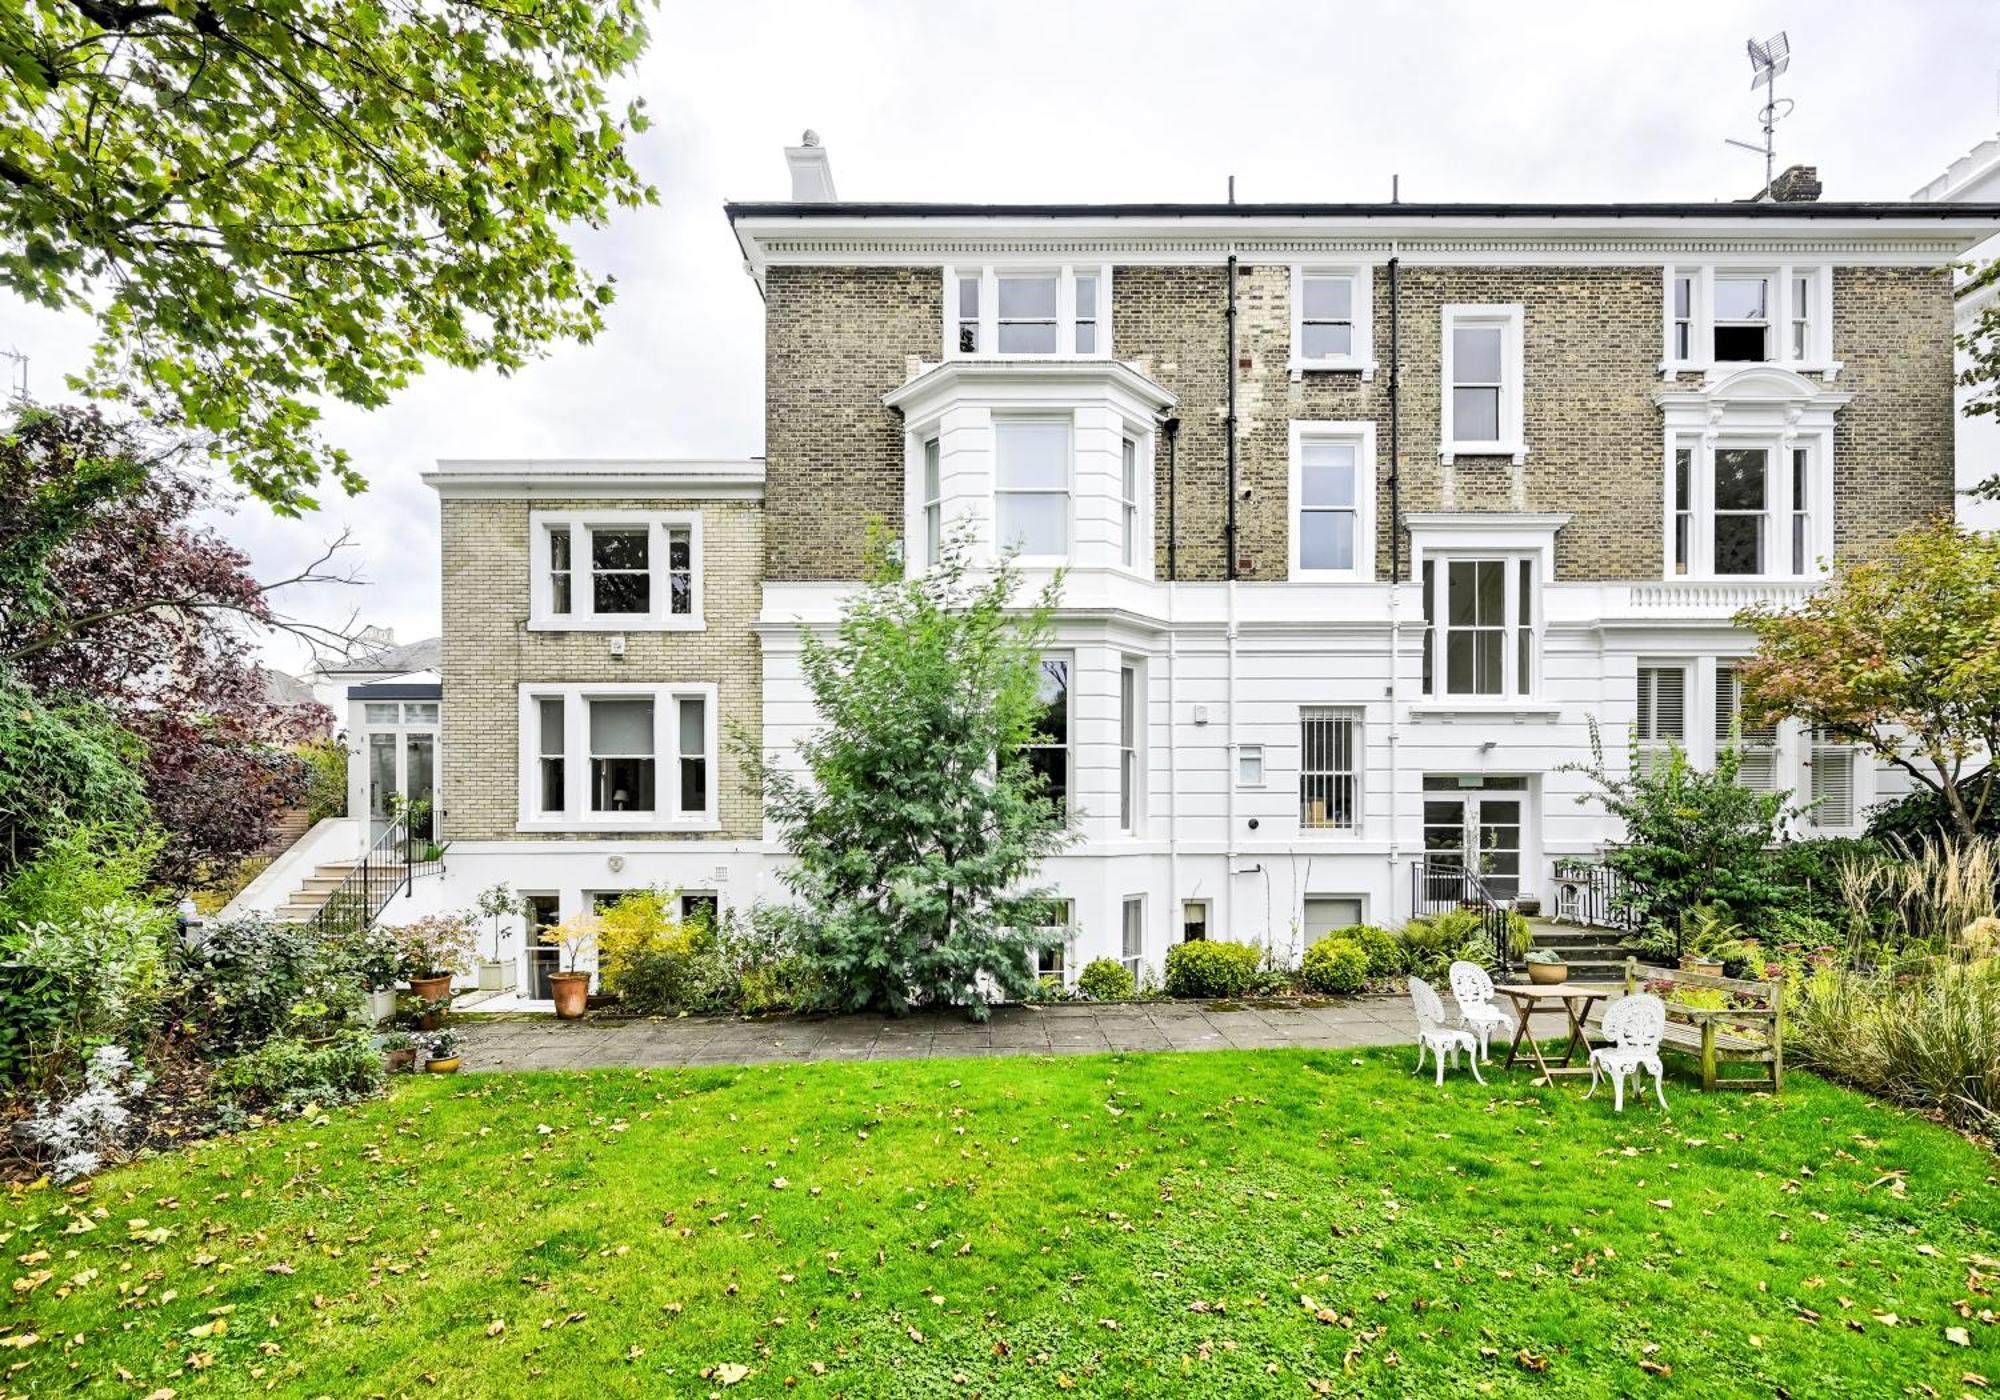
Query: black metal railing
(1438, 887)
(1591, 894)
(399, 855)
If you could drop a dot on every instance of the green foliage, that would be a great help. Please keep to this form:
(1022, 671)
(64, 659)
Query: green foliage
(253, 978)
(1920, 1035)
(1693, 836)
(1212, 968)
(657, 964)
(326, 783)
(919, 818)
(1896, 655)
(94, 978)
(1106, 979)
(435, 945)
(1432, 943)
(63, 762)
(265, 207)
(1812, 872)
(1386, 957)
(80, 868)
(287, 1070)
(1335, 966)
(1546, 957)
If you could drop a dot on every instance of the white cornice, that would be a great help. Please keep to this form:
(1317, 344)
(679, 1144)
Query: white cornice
(601, 477)
(974, 377)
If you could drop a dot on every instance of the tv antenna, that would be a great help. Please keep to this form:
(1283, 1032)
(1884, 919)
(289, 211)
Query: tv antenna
(1767, 61)
(20, 388)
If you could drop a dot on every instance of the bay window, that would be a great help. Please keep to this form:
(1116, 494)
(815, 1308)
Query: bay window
(1727, 315)
(595, 757)
(1742, 318)
(1128, 502)
(1479, 626)
(1048, 750)
(1129, 716)
(1747, 506)
(615, 571)
(933, 503)
(1029, 311)
(1031, 497)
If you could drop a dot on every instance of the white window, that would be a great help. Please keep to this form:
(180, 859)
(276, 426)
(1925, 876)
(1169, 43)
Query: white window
(933, 503)
(1031, 503)
(1743, 317)
(1328, 914)
(1035, 311)
(1129, 716)
(1479, 626)
(1329, 780)
(1128, 502)
(1758, 744)
(1132, 935)
(615, 757)
(1726, 316)
(1194, 920)
(1661, 723)
(1048, 751)
(1249, 765)
(1482, 402)
(1680, 316)
(1332, 500)
(1746, 506)
(1331, 320)
(1058, 921)
(615, 571)
(1832, 785)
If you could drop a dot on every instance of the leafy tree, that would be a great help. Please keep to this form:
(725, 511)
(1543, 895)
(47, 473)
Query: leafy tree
(264, 205)
(920, 818)
(63, 762)
(1900, 655)
(114, 593)
(1694, 837)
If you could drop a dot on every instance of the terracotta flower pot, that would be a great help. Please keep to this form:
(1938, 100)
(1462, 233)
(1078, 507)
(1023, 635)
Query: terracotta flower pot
(431, 988)
(1548, 974)
(449, 1066)
(1706, 967)
(570, 990)
(397, 1061)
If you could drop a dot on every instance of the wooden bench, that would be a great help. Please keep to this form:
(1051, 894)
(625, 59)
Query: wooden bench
(1706, 1033)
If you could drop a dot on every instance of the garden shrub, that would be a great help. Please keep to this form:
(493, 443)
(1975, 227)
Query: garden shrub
(1212, 968)
(1106, 979)
(1384, 949)
(286, 1069)
(252, 978)
(82, 867)
(1432, 943)
(96, 978)
(326, 782)
(1336, 966)
(1922, 1036)
(657, 964)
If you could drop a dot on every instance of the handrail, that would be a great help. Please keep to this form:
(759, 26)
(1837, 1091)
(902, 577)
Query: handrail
(1464, 889)
(386, 869)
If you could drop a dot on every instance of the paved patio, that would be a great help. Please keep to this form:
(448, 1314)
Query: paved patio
(545, 1043)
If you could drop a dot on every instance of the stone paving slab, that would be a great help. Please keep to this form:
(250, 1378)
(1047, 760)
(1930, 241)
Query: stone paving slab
(535, 1043)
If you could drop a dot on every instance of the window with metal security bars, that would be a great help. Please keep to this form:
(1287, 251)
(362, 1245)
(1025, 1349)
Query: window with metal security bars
(1132, 939)
(1329, 784)
(1758, 743)
(1661, 721)
(1832, 781)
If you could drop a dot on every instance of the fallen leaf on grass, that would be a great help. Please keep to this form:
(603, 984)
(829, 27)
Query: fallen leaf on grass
(1958, 1336)
(726, 1373)
(496, 1327)
(1656, 1368)
(1529, 1361)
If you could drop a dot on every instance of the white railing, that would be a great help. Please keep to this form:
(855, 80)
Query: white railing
(1714, 599)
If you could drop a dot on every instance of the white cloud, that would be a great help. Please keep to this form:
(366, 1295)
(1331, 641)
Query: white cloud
(1103, 101)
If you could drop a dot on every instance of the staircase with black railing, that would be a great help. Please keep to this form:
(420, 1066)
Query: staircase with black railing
(401, 855)
(1438, 887)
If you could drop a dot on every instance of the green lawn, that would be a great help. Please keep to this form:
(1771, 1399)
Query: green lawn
(1136, 1224)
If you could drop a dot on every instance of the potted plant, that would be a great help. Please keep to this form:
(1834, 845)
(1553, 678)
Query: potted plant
(496, 904)
(1704, 932)
(433, 950)
(1546, 967)
(1528, 905)
(569, 987)
(399, 1050)
(441, 1052)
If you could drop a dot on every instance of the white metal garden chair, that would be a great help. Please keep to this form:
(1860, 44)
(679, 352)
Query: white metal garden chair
(1438, 1036)
(1634, 1025)
(1472, 989)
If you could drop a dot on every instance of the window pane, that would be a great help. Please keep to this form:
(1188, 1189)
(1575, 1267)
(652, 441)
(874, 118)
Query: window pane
(1327, 340)
(694, 785)
(552, 784)
(618, 549)
(1086, 298)
(694, 725)
(621, 726)
(1326, 474)
(1475, 355)
(1683, 297)
(1326, 539)
(1683, 464)
(1129, 466)
(621, 784)
(968, 298)
(1250, 765)
(1739, 478)
(378, 712)
(559, 544)
(1492, 592)
(1461, 581)
(550, 710)
(1028, 338)
(1086, 337)
(425, 712)
(1475, 415)
(1329, 299)
(1458, 662)
(620, 593)
(1741, 298)
(1032, 454)
(1034, 524)
(931, 470)
(1487, 678)
(1054, 725)
(1740, 343)
(1739, 544)
(1027, 298)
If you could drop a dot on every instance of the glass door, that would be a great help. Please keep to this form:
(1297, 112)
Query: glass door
(1478, 828)
(402, 763)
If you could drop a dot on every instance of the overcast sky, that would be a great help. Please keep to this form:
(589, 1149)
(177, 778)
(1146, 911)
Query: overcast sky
(1103, 101)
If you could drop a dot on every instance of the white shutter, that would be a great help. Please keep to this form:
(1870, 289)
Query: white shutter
(1832, 781)
(1759, 769)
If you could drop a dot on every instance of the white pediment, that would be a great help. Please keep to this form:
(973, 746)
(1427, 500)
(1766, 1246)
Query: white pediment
(1761, 395)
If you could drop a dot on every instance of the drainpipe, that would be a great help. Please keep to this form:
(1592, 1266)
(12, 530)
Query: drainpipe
(1173, 429)
(1229, 587)
(1229, 429)
(1395, 578)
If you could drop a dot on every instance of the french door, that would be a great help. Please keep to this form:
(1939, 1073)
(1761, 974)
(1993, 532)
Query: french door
(1477, 829)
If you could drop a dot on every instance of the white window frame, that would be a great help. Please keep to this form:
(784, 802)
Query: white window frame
(1512, 442)
(1336, 715)
(1822, 748)
(1068, 491)
(577, 816)
(1651, 748)
(1360, 901)
(1071, 807)
(1207, 908)
(1131, 746)
(1245, 755)
(1758, 746)
(1514, 688)
(1131, 922)
(1131, 464)
(1064, 969)
(1361, 357)
(1781, 506)
(930, 463)
(658, 617)
(1361, 436)
(989, 275)
(1783, 310)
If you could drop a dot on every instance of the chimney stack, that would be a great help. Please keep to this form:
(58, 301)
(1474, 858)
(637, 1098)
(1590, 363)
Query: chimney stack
(812, 175)
(1798, 185)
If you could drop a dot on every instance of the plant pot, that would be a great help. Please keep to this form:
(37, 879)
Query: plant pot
(430, 1020)
(495, 976)
(1548, 974)
(1528, 905)
(396, 1061)
(571, 990)
(1704, 967)
(449, 1066)
(433, 988)
(381, 1004)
